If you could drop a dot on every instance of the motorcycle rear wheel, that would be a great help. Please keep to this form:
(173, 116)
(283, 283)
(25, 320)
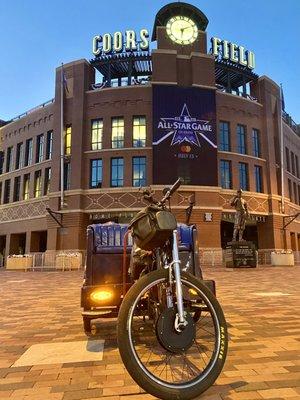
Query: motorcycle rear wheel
(166, 363)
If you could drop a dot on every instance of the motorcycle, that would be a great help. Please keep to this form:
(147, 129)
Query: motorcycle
(171, 330)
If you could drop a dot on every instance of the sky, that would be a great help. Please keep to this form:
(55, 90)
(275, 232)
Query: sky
(37, 36)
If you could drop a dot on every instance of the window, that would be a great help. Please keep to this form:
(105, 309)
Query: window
(256, 143)
(97, 133)
(226, 178)
(9, 159)
(96, 174)
(28, 152)
(258, 178)
(49, 145)
(224, 132)
(19, 156)
(117, 172)
(139, 171)
(293, 163)
(117, 133)
(67, 176)
(47, 181)
(290, 189)
(68, 139)
(39, 148)
(287, 156)
(243, 174)
(295, 192)
(241, 139)
(1, 161)
(38, 183)
(26, 187)
(6, 191)
(139, 131)
(0, 192)
(297, 166)
(293, 241)
(17, 188)
(184, 173)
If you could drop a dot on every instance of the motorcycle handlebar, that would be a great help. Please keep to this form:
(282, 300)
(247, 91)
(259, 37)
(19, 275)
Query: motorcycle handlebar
(176, 186)
(173, 189)
(148, 194)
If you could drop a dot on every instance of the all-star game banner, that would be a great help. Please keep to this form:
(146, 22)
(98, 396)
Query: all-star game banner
(184, 135)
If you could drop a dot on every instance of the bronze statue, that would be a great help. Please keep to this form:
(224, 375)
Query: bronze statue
(241, 215)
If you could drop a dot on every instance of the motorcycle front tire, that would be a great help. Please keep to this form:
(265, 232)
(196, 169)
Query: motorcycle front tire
(169, 392)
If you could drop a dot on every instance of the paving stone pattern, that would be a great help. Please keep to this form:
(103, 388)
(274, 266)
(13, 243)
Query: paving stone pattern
(44, 307)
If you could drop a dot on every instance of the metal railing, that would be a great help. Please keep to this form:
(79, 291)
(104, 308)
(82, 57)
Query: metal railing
(291, 123)
(264, 257)
(214, 258)
(297, 257)
(122, 82)
(211, 258)
(58, 260)
(31, 110)
(75, 260)
(239, 93)
(65, 260)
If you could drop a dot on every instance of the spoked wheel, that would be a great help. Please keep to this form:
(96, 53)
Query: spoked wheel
(167, 363)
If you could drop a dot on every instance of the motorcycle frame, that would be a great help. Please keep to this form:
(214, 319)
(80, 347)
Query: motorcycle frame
(180, 321)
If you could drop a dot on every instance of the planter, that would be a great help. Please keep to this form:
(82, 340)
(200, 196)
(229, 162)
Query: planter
(68, 261)
(15, 263)
(282, 259)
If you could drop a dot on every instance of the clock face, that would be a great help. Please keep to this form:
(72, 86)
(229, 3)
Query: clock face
(182, 30)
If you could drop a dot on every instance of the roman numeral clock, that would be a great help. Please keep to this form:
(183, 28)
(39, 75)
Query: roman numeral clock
(180, 26)
(182, 30)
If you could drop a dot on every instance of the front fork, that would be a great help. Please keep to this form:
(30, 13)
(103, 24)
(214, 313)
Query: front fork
(180, 320)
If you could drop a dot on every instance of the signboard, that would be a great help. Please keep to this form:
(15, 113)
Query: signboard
(232, 52)
(132, 41)
(184, 135)
(118, 42)
(241, 254)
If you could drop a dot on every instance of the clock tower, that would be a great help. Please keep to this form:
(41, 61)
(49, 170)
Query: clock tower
(181, 56)
(184, 98)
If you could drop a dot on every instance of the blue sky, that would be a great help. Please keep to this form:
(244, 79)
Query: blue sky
(37, 36)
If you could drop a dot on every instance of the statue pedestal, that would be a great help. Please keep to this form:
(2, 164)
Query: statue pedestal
(240, 255)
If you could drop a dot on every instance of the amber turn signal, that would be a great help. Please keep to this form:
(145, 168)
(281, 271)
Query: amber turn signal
(101, 295)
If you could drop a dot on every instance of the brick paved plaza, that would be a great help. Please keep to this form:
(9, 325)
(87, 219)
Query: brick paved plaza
(262, 308)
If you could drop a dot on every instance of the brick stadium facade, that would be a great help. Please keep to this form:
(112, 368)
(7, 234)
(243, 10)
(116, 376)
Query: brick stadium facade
(108, 146)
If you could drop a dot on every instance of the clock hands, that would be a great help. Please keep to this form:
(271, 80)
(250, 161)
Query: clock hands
(183, 29)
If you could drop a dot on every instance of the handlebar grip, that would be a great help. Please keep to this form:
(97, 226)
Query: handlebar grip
(176, 185)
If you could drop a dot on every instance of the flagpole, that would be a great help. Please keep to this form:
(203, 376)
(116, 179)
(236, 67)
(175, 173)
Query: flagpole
(281, 152)
(62, 155)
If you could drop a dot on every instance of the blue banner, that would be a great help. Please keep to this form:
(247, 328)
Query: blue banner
(184, 135)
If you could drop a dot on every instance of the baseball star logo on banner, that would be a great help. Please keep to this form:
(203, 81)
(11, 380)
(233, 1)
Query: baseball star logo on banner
(185, 129)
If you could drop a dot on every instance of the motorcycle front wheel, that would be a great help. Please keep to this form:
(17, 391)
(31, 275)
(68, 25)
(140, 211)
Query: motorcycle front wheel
(166, 362)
